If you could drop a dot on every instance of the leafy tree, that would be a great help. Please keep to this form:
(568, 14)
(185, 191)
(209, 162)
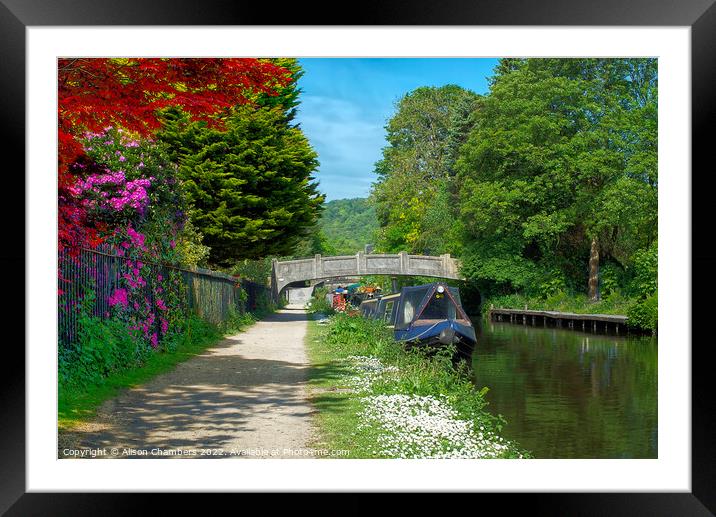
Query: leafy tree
(463, 117)
(415, 176)
(191, 248)
(249, 185)
(348, 225)
(286, 95)
(645, 270)
(561, 167)
(94, 93)
(258, 271)
(314, 243)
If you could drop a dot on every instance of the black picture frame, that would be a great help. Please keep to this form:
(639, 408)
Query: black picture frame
(699, 15)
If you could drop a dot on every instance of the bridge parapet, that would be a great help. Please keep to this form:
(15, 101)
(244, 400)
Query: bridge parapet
(401, 264)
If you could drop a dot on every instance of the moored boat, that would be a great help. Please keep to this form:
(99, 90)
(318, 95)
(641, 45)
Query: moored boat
(425, 315)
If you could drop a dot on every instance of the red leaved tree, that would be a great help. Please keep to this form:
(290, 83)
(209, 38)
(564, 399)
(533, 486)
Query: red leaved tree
(94, 93)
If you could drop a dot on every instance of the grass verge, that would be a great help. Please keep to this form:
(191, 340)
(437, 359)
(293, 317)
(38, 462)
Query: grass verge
(377, 400)
(338, 409)
(79, 403)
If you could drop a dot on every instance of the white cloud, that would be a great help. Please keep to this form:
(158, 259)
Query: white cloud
(348, 141)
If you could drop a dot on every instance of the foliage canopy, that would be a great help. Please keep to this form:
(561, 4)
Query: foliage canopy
(249, 185)
(557, 163)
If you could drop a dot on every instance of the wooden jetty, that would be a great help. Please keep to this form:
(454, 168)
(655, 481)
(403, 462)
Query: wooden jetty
(593, 322)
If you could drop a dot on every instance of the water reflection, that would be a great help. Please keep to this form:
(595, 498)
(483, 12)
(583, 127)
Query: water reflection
(569, 394)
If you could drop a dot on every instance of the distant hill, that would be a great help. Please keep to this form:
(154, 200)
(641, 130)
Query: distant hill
(349, 224)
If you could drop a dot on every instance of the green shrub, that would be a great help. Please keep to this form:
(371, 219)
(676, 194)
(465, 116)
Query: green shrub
(264, 303)
(550, 286)
(319, 304)
(254, 270)
(611, 276)
(102, 347)
(646, 265)
(105, 346)
(508, 301)
(557, 299)
(614, 303)
(644, 314)
(236, 321)
(243, 299)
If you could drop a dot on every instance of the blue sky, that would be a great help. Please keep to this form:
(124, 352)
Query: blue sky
(346, 102)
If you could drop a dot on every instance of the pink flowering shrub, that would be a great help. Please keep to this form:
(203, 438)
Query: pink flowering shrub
(111, 192)
(127, 180)
(119, 296)
(151, 299)
(115, 310)
(128, 187)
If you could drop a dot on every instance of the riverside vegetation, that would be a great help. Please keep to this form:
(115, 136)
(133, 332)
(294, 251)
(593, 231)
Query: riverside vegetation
(378, 400)
(545, 187)
(149, 173)
(108, 357)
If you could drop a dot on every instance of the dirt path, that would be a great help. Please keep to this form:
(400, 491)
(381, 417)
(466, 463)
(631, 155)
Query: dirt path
(245, 396)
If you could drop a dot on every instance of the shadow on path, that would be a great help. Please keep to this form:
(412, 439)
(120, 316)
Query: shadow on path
(247, 391)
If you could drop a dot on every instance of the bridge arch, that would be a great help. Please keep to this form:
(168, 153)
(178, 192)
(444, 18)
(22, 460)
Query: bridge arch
(287, 272)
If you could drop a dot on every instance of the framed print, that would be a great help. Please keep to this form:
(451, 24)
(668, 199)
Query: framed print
(595, 421)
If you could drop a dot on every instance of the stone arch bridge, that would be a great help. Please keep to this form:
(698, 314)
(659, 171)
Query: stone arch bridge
(284, 273)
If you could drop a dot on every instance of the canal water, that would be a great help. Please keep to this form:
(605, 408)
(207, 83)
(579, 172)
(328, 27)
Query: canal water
(570, 394)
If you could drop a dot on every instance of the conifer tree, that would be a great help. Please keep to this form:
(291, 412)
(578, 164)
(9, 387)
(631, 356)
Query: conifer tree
(249, 184)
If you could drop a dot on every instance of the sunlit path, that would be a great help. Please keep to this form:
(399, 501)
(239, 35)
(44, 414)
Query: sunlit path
(244, 396)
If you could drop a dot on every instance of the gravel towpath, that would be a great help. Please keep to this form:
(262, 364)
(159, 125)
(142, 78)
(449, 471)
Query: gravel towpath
(245, 397)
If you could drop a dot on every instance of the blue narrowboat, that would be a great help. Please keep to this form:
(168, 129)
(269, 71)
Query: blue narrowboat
(426, 315)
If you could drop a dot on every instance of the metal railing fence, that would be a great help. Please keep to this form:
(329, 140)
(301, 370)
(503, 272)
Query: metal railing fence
(89, 278)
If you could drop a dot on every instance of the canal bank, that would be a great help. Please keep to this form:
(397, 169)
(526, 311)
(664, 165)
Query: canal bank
(570, 394)
(592, 322)
(376, 400)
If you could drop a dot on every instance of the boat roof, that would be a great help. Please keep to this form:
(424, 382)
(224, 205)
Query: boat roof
(428, 291)
(376, 300)
(423, 286)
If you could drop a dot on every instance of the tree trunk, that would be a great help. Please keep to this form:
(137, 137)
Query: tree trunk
(594, 271)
